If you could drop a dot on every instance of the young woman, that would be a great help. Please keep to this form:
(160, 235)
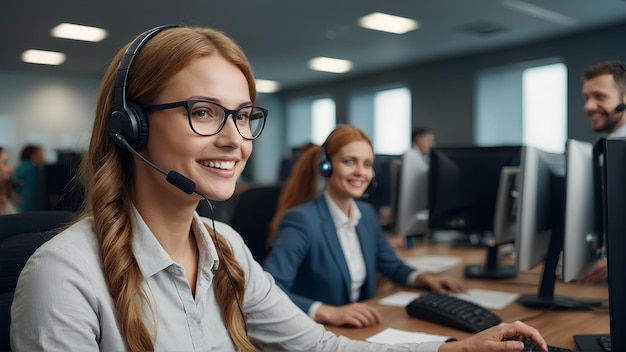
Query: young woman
(141, 271)
(328, 248)
(8, 197)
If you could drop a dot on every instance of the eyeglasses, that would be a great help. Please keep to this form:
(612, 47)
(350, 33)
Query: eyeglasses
(207, 118)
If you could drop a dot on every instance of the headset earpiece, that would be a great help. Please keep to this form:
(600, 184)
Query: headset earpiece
(325, 167)
(131, 123)
(128, 118)
(621, 107)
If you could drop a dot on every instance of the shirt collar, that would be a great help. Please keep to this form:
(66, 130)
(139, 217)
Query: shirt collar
(152, 258)
(339, 218)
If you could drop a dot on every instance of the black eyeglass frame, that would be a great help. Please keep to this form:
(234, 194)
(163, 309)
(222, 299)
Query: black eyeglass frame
(188, 104)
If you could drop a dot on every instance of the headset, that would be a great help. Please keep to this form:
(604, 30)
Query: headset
(325, 167)
(128, 118)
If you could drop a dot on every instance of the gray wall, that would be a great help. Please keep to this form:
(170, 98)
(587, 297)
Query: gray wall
(53, 111)
(443, 90)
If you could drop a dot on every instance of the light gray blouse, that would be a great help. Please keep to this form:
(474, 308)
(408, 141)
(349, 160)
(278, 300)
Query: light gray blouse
(62, 302)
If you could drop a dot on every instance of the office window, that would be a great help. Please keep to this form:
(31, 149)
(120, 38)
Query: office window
(323, 119)
(385, 116)
(523, 104)
(392, 121)
(309, 120)
(545, 107)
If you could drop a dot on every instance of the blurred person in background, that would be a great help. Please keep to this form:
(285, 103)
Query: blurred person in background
(28, 178)
(8, 196)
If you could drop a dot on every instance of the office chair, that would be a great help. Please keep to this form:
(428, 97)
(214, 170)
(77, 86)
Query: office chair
(20, 235)
(252, 216)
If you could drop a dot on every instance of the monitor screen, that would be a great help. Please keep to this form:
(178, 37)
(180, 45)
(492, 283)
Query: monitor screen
(463, 185)
(580, 246)
(540, 191)
(541, 223)
(615, 225)
(462, 194)
(412, 195)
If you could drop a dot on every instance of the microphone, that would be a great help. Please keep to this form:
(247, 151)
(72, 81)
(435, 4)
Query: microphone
(370, 188)
(188, 186)
(175, 178)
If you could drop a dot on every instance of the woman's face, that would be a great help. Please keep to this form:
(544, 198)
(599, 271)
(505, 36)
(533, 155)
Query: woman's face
(352, 170)
(215, 162)
(6, 169)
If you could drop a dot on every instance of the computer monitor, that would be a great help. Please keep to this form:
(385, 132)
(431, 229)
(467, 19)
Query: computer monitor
(542, 177)
(540, 231)
(581, 242)
(462, 193)
(411, 208)
(615, 224)
(507, 201)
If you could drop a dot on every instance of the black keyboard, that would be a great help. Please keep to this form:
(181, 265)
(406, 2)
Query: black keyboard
(593, 342)
(452, 312)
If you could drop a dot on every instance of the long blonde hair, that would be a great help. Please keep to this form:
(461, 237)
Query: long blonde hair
(302, 185)
(107, 171)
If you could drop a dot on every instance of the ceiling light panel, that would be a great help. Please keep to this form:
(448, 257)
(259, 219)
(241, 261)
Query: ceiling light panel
(78, 32)
(328, 64)
(43, 57)
(266, 86)
(388, 23)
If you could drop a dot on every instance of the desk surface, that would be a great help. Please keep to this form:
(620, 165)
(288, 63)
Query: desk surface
(557, 327)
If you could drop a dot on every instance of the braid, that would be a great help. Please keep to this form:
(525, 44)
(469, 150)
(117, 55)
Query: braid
(114, 228)
(223, 287)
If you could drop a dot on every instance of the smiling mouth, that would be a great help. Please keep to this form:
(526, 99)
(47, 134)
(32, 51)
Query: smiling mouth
(357, 183)
(222, 165)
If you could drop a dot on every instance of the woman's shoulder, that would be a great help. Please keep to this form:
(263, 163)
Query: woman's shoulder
(71, 255)
(309, 206)
(79, 239)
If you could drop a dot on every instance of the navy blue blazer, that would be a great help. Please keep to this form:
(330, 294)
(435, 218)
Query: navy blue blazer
(307, 262)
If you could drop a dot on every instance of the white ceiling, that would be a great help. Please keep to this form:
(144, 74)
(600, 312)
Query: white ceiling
(280, 36)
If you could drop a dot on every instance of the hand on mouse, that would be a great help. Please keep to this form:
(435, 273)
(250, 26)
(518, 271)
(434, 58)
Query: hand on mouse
(502, 337)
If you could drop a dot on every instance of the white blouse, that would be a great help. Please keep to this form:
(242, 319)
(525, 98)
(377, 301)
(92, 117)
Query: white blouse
(62, 302)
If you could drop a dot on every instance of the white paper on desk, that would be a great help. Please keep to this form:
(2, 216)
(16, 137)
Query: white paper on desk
(488, 298)
(395, 336)
(399, 299)
(433, 263)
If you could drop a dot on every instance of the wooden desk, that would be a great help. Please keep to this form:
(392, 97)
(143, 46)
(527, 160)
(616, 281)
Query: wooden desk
(557, 327)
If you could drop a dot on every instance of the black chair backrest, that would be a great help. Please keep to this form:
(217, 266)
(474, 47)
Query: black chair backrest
(20, 236)
(252, 216)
